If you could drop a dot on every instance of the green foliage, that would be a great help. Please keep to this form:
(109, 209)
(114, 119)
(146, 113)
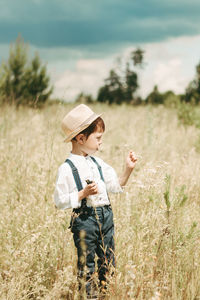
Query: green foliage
(21, 81)
(137, 57)
(167, 191)
(112, 91)
(191, 230)
(155, 97)
(171, 100)
(131, 84)
(189, 114)
(197, 144)
(121, 89)
(186, 113)
(181, 196)
(192, 94)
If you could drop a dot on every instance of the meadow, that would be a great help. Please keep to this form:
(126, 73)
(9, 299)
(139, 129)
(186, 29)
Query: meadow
(157, 229)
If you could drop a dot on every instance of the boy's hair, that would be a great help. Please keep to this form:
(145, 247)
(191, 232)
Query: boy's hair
(98, 123)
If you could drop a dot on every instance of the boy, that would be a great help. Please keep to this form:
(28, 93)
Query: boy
(82, 184)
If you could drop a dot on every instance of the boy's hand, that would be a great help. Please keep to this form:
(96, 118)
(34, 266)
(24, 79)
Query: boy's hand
(91, 189)
(130, 165)
(131, 160)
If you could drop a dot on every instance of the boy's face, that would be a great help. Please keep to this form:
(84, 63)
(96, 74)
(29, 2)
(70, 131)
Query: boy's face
(91, 144)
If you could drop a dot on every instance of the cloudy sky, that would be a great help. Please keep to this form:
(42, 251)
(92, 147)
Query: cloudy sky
(81, 40)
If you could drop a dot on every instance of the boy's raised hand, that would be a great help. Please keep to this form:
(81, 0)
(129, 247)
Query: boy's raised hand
(130, 165)
(131, 160)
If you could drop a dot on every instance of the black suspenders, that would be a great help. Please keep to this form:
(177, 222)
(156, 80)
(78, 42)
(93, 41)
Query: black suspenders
(78, 180)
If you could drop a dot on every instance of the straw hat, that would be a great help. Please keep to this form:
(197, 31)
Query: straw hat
(77, 120)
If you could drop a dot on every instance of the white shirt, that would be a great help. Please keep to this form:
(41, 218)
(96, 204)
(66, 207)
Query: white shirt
(66, 193)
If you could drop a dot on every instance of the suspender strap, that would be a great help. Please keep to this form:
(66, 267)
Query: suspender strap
(77, 177)
(100, 171)
(75, 174)
(99, 168)
(77, 180)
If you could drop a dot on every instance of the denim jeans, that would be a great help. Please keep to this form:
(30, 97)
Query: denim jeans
(93, 233)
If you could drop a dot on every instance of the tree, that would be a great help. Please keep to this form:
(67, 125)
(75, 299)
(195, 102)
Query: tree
(192, 93)
(21, 81)
(131, 84)
(155, 97)
(122, 89)
(112, 91)
(137, 57)
(36, 82)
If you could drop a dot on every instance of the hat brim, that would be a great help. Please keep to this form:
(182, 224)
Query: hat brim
(83, 126)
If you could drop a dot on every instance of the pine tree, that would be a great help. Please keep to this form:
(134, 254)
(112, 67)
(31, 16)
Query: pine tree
(21, 81)
(112, 91)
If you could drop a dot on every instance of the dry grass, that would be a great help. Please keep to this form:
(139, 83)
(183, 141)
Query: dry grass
(156, 218)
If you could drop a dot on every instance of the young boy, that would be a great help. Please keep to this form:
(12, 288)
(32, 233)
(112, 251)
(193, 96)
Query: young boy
(82, 184)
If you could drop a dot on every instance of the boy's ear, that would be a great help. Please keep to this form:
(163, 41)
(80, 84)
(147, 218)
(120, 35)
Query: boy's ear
(80, 138)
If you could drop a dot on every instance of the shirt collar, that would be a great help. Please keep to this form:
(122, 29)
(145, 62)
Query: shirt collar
(78, 157)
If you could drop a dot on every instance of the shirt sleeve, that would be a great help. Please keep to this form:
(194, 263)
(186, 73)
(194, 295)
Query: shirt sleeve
(63, 198)
(110, 177)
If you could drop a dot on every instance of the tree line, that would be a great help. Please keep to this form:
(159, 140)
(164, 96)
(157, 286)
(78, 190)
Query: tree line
(26, 82)
(122, 88)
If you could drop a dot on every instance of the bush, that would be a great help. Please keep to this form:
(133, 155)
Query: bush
(171, 100)
(155, 97)
(189, 114)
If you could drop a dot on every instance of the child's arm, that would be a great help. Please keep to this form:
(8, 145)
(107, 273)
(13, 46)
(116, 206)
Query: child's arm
(130, 165)
(66, 197)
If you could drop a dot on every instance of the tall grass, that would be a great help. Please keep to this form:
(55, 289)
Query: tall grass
(156, 218)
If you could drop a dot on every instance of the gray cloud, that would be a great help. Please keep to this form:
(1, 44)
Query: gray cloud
(67, 23)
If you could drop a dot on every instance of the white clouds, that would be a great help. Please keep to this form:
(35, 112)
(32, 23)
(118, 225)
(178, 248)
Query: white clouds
(87, 77)
(169, 64)
(168, 76)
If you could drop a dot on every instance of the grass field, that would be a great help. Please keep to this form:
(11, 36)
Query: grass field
(157, 229)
